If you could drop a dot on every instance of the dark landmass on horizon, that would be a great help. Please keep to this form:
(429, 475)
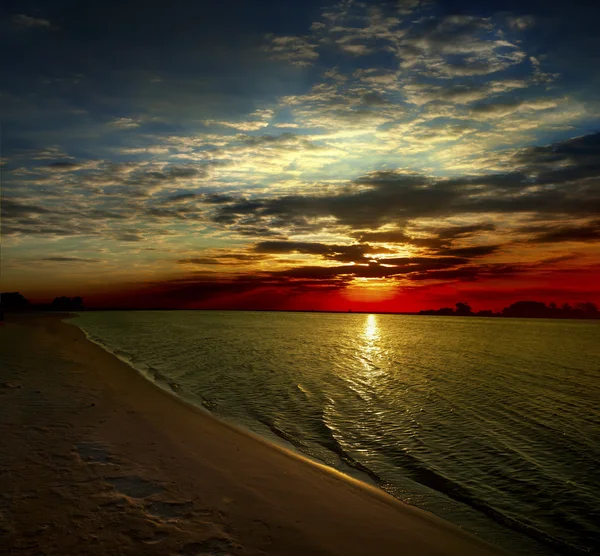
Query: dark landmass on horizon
(14, 301)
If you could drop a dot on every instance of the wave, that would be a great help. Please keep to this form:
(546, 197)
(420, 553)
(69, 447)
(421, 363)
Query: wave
(494, 450)
(431, 478)
(150, 373)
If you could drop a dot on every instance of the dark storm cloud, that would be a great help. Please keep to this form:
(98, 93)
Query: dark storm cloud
(566, 161)
(504, 107)
(589, 232)
(472, 252)
(183, 197)
(193, 198)
(279, 247)
(342, 253)
(14, 209)
(535, 186)
(374, 99)
(466, 274)
(217, 199)
(470, 273)
(440, 239)
(283, 140)
(63, 166)
(578, 150)
(464, 231)
(129, 237)
(398, 266)
(171, 173)
(424, 263)
(97, 214)
(256, 231)
(389, 197)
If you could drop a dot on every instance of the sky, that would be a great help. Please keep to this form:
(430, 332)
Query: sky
(377, 156)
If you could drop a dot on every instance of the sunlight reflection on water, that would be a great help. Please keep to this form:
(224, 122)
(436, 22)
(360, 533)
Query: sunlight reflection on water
(446, 414)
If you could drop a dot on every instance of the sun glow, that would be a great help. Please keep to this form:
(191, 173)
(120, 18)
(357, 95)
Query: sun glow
(370, 289)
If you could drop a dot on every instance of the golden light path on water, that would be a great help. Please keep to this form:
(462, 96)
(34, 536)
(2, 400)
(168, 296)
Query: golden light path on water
(432, 410)
(370, 348)
(371, 331)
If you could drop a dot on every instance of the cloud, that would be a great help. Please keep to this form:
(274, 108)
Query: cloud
(334, 106)
(24, 21)
(439, 239)
(129, 237)
(227, 259)
(460, 93)
(471, 252)
(386, 268)
(51, 152)
(342, 253)
(133, 201)
(457, 46)
(390, 236)
(469, 273)
(63, 166)
(125, 123)
(296, 51)
(453, 232)
(520, 22)
(584, 232)
(208, 198)
(355, 49)
(59, 259)
(13, 209)
(405, 134)
(395, 197)
(258, 119)
(504, 108)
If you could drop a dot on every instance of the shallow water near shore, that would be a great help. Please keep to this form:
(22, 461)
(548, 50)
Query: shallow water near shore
(492, 424)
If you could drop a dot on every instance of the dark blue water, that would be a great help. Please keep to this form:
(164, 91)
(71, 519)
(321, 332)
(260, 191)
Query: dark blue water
(493, 424)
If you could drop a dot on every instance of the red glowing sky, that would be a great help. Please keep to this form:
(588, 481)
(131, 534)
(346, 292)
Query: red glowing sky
(365, 157)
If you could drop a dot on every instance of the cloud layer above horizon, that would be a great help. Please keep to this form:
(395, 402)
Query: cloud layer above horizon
(383, 155)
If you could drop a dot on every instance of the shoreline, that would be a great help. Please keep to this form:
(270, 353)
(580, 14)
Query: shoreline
(363, 477)
(144, 451)
(423, 313)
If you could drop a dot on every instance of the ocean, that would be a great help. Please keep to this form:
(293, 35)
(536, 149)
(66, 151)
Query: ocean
(492, 424)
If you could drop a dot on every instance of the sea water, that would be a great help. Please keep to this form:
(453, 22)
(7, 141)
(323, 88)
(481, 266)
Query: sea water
(491, 423)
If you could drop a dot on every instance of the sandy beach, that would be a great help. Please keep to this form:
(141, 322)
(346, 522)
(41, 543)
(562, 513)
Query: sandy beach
(95, 459)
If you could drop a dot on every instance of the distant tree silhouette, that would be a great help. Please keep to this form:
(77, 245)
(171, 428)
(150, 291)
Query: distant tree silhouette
(463, 309)
(524, 309)
(485, 313)
(588, 309)
(14, 301)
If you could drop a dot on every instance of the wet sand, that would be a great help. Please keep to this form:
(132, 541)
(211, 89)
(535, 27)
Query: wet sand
(95, 459)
